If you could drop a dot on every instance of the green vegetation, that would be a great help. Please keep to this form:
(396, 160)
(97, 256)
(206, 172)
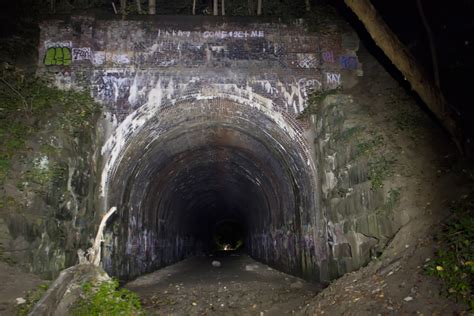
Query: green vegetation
(393, 197)
(454, 261)
(349, 133)
(368, 146)
(31, 299)
(107, 298)
(314, 102)
(379, 170)
(27, 104)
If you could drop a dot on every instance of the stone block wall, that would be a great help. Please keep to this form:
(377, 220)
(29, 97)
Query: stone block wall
(357, 198)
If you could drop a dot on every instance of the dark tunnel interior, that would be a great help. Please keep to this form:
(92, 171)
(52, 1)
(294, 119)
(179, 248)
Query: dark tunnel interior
(209, 175)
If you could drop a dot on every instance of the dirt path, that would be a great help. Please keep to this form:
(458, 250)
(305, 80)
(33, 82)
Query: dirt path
(15, 284)
(240, 286)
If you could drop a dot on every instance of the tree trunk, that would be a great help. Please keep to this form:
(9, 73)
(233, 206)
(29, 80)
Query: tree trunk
(250, 7)
(95, 250)
(308, 5)
(223, 7)
(259, 7)
(123, 7)
(52, 7)
(434, 56)
(194, 7)
(216, 7)
(151, 6)
(139, 6)
(406, 63)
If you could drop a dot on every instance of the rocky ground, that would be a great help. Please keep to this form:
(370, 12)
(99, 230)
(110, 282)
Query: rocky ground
(234, 285)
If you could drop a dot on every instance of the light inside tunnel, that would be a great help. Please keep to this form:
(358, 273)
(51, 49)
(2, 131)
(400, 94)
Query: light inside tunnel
(208, 169)
(228, 235)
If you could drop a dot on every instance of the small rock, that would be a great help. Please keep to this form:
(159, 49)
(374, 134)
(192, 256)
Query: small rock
(296, 285)
(251, 267)
(216, 264)
(20, 300)
(408, 299)
(194, 303)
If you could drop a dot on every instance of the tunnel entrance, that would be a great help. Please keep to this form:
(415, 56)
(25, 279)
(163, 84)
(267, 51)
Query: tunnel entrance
(210, 173)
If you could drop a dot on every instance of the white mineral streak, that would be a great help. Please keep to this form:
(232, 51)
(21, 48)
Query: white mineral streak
(117, 143)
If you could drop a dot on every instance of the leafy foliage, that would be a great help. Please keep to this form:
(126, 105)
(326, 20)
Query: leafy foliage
(26, 105)
(379, 170)
(107, 299)
(454, 262)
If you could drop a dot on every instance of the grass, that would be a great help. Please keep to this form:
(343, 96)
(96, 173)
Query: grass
(107, 298)
(454, 260)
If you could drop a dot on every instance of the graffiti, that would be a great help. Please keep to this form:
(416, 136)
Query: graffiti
(333, 79)
(83, 53)
(310, 84)
(173, 33)
(98, 58)
(348, 62)
(112, 85)
(307, 61)
(120, 59)
(50, 44)
(328, 57)
(233, 34)
(60, 56)
(293, 94)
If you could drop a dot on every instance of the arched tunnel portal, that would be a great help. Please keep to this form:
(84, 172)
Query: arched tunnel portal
(200, 163)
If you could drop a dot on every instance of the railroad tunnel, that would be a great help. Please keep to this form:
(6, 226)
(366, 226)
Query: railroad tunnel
(207, 167)
(207, 140)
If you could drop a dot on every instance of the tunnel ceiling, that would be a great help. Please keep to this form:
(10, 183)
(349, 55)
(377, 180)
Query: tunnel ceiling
(194, 165)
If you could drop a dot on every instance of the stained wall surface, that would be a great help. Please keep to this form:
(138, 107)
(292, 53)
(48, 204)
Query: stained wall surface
(204, 121)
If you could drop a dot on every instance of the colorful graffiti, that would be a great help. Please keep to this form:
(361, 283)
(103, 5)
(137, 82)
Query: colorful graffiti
(348, 62)
(58, 56)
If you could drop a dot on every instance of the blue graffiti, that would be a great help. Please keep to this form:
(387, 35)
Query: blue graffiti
(348, 62)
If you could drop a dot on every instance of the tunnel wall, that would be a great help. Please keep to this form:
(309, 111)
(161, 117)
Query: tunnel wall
(144, 70)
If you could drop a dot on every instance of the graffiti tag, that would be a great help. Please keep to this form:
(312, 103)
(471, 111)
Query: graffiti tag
(348, 62)
(328, 57)
(58, 56)
(333, 79)
(83, 53)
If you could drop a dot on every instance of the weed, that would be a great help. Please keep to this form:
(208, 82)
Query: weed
(314, 102)
(379, 170)
(393, 197)
(365, 147)
(349, 133)
(454, 261)
(26, 103)
(107, 298)
(31, 299)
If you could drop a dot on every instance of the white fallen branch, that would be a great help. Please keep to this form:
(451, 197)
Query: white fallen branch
(94, 251)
